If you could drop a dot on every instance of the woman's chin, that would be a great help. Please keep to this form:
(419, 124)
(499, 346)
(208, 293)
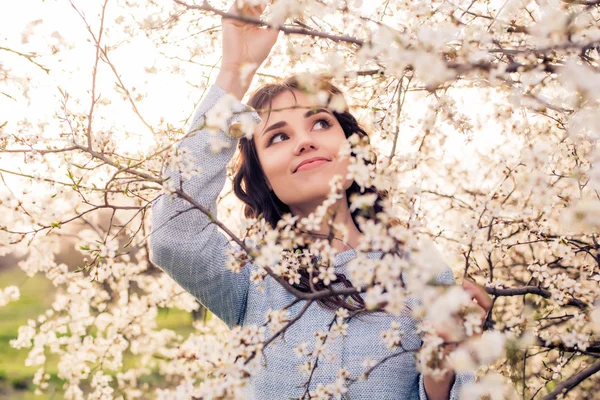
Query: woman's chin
(304, 195)
(309, 186)
(314, 184)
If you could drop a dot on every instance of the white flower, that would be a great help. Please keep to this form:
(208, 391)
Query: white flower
(539, 271)
(183, 161)
(436, 38)
(392, 337)
(595, 318)
(311, 222)
(396, 301)
(218, 116)
(10, 293)
(489, 346)
(361, 270)
(363, 201)
(246, 69)
(582, 216)
(340, 328)
(217, 144)
(360, 172)
(472, 323)
(306, 367)
(326, 275)
(449, 303)
(108, 249)
(374, 297)
(462, 361)
(431, 68)
(322, 97)
(552, 21)
(302, 350)
(342, 313)
(338, 103)
(492, 386)
(248, 124)
(168, 187)
(277, 320)
(369, 362)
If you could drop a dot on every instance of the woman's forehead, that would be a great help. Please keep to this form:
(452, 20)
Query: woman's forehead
(289, 101)
(284, 105)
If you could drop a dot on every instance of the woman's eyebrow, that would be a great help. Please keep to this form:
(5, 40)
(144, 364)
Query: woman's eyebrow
(276, 125)
(307, 114)
(315, 111)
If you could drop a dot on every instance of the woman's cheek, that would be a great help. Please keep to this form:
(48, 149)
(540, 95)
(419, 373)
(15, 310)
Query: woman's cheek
(342, 170)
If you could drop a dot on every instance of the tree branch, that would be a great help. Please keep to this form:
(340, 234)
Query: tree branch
(573, 381)
(532, 290)
(285, 29)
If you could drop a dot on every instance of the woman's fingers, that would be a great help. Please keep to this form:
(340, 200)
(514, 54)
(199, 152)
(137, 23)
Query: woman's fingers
(247, 10)
(245, 45)
(455, 331)
(482, 312)
(478, 293)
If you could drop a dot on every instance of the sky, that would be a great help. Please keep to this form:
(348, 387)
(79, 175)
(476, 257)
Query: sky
(39, 26)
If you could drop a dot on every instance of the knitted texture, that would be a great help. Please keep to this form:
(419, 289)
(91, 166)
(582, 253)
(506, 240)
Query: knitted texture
(192, 251)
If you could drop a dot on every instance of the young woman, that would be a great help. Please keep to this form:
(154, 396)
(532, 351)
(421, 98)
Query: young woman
(285, 168)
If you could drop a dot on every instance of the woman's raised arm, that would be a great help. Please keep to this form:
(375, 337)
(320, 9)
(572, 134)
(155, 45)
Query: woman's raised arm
(184, 242)
(245, 46)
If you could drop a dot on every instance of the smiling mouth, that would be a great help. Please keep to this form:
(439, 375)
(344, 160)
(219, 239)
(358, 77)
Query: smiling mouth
(312, 164)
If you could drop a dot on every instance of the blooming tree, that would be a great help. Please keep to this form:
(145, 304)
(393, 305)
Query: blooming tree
(481, 115)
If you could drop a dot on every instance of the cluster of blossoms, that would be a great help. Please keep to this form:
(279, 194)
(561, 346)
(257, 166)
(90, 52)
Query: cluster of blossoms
(182, 160)
(333, 390)
(8, 294)
(218, 117)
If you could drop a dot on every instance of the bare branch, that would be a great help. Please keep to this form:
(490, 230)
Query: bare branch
(532, 290)
(29, 56)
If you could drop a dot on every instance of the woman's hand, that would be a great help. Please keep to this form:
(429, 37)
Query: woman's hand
(482, 304)
(245, 45)
(482, 299)
(437, 388)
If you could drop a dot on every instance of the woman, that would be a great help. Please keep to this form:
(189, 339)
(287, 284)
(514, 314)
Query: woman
(285, 167)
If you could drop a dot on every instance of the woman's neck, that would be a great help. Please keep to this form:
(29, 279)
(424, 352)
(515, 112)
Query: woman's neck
(342, 219)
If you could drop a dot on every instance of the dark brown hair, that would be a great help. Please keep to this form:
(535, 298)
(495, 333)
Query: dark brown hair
(251, 188)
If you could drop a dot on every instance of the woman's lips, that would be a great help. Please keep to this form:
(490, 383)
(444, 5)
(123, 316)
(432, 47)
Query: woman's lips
(310, 165)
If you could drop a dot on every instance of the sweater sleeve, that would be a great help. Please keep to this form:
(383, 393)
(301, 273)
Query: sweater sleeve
(447, 278)
(184, 243)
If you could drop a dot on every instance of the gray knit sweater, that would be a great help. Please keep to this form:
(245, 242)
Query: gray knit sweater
(193, 252)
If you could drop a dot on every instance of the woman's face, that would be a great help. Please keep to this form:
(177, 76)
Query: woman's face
(290, 137)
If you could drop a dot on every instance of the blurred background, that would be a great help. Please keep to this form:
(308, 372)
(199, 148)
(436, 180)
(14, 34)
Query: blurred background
(37, 295)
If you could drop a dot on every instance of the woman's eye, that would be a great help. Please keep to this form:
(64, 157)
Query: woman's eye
(275, 136)
(318, 125)
(323, 122)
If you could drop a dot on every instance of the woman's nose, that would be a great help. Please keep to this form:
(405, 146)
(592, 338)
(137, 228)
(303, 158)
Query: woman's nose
(305, 141)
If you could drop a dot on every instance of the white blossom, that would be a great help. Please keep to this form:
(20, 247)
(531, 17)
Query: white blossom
(8, 294)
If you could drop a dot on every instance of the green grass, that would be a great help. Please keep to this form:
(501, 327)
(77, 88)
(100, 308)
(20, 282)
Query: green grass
(37, 294)
(178, 320)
